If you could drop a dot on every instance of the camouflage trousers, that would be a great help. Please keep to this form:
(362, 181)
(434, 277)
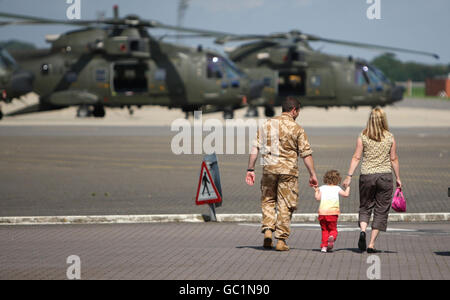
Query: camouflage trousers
(279, 198)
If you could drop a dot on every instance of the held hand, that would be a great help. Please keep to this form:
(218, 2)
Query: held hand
(399, 183)
(313, 181)
(347, 181)
(250, 178)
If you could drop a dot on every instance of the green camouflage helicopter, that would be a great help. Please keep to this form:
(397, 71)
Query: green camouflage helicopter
(14, 82)
(318, 79)
(116, 63)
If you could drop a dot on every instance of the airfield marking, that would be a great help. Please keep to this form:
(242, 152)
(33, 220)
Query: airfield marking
(198, 218)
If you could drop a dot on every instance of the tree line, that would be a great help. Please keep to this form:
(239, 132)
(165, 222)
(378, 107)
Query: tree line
(12, 45)
(397, 70)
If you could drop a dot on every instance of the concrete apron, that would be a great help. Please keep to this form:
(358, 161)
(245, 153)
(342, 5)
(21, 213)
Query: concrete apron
(198, 218)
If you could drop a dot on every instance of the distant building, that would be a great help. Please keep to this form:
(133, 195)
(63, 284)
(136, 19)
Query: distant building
(438, 86)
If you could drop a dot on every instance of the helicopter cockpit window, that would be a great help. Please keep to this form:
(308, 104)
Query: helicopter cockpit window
(378, 73)
(231, 70)
(2, 64)
(373, 77)
(361, 77)
(6, 59)
(219, 67)
(214, 68)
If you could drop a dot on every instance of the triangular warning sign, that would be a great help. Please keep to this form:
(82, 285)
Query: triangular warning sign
(206, 191)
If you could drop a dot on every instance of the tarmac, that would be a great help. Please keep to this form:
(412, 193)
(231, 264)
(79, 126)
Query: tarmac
(219, 251)
(73, 171)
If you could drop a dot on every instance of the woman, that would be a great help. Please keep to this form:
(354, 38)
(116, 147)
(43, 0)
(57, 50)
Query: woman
(378, 149)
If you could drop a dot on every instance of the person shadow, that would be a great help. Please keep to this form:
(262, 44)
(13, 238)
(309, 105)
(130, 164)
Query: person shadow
(259, 248)
(337, 250)
(356, 250)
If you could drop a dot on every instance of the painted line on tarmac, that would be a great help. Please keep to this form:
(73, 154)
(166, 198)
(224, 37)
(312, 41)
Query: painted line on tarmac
(198, 218)
(341, 228)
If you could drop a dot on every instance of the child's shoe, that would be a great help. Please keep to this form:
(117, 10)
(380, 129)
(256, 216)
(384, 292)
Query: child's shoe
(324, 250)
(330, 243)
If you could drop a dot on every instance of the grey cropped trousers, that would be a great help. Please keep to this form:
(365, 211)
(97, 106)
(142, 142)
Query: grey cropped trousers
(375, 195)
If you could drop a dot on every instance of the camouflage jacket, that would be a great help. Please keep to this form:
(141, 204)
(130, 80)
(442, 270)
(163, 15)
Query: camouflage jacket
(281, 141)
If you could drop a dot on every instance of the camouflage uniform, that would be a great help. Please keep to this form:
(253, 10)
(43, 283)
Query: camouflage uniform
(280, 140)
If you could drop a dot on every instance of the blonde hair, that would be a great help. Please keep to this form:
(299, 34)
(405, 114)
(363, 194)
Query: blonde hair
(376, 125)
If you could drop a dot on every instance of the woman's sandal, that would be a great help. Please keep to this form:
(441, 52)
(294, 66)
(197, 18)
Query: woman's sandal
(373, 250)
(362, 241)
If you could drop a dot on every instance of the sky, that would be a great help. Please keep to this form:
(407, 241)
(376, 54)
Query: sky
(414, 24)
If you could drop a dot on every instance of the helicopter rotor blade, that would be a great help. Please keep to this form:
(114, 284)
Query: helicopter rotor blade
(25, 20)
(295, 36)
(132, 20)
(202, 32)
(313, 38)
(221, 37)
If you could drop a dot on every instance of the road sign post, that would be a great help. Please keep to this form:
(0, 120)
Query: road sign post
(209, 190)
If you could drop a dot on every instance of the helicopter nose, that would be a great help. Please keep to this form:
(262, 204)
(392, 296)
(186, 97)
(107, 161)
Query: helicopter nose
(397, 93)
(21, 83)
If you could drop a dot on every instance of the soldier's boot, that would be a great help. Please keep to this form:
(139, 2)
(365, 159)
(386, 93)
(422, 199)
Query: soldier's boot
(267, 239)
(281, 246)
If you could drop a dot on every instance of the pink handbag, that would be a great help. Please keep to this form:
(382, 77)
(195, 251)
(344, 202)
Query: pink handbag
(399, 201)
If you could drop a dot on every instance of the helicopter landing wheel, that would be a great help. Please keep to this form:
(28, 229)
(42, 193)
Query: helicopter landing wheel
(252, 112)
(228, 113)
(269, 111)
(83, 111)
(99, 111)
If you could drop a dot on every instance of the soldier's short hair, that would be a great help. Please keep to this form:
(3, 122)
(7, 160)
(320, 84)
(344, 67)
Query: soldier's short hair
(290, 103)
(332, 177)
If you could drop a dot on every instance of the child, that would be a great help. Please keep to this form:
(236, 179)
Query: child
(328, 195)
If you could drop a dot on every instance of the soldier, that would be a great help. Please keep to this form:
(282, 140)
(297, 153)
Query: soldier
(280, 140)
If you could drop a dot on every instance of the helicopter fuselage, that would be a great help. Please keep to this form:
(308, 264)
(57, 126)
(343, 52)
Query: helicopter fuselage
(316, 78)
(129, 70)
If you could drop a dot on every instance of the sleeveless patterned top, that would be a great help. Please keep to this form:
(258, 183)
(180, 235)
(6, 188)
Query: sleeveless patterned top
(376, 155)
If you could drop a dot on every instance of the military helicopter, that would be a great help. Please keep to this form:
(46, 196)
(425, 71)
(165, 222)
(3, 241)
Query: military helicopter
(318, 79)
(116, 63)
(14, 82)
